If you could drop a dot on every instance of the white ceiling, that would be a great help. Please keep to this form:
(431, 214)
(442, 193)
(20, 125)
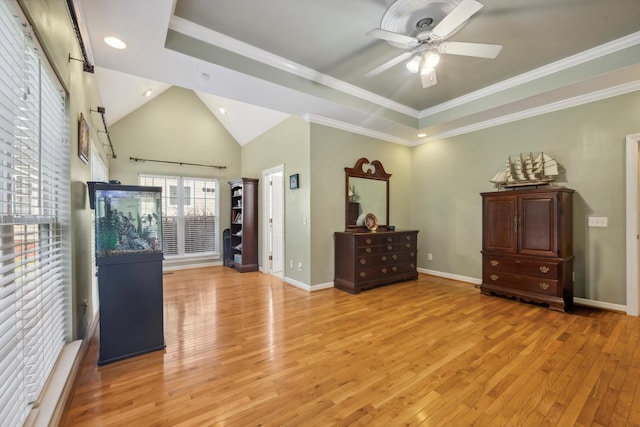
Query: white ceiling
(266, 60)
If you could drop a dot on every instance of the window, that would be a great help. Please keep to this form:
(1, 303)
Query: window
(189, 214)
(34, 219)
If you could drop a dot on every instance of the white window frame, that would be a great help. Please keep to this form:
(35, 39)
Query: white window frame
(180, 207)
(35, 284)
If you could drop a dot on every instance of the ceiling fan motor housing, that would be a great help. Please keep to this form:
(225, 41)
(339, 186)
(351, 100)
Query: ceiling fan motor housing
(416, 18)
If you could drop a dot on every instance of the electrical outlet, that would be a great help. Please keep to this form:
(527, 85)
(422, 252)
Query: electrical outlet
(430, 257)
(299, 266)
(598, 221)
(291, 264)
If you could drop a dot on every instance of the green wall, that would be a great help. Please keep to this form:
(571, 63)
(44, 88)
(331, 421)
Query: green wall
(176, 126)
(589, 143)
(288, 144)
(331, 151)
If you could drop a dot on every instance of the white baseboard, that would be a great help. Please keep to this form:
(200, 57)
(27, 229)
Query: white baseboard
(576, 300)
(450, 276)
(177, 267)
(297, 284)
(306, 287)
(322, 286)
(600, 304)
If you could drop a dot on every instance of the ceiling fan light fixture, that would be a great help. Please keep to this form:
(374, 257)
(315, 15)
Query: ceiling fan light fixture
(431, 59)
(414, 65)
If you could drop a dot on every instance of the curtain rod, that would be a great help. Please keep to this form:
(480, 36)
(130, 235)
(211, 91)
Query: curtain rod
(101, 111)
(87, 66)
(136, 159)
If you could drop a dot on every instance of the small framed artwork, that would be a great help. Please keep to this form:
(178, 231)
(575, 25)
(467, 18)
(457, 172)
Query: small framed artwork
(294, 181)
(83, 139)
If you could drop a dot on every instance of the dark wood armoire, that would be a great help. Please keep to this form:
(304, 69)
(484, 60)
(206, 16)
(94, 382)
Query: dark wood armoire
(527, 245)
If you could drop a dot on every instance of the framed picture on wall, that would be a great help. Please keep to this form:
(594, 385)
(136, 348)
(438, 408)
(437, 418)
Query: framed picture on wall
(83, 139)
(294, 181)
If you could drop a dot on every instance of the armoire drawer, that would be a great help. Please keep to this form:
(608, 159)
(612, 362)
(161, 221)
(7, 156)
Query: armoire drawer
(525, 283)
(539, 268)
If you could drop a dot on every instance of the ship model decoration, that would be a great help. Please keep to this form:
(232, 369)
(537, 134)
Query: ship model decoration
(526, 169)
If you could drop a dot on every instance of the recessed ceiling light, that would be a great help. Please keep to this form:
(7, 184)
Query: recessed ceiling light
(115, 42)
(148, 92)
(422, 135)
(222, 110)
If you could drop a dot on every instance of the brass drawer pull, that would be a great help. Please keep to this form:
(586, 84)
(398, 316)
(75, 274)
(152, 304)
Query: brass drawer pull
(368, 241)
(495, 262)
(368, 250)
(363, 261)
(384, 271)
(408, 245)
(412, 254)
(412, 265)
(408, 237)
(363, 274)
(517, 261)
(389, 239)
(494, 277)
(384, 258)
(394, 256)
(543, 285)
(544, 269)
(389, 247)
(394, 268)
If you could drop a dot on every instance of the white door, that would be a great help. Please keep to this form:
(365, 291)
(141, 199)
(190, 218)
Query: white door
(277, 254)
(274, 221)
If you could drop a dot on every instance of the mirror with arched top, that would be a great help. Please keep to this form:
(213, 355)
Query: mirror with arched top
(366, 192)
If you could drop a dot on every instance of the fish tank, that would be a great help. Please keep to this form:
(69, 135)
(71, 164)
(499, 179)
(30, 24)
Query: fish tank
(128, 220)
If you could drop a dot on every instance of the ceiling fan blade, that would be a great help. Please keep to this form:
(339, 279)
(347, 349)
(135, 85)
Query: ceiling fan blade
(388, 64)
(465, 10)
(479, 50)
(390, 36)
(429, 79)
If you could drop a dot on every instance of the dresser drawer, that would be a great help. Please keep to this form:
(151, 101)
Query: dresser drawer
(538, 268)
(368, 250)
(524, 283)
(398, 238)
(368, 241)
(385, 271)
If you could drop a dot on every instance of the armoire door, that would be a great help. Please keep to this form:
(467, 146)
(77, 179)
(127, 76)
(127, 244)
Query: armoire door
(500, 223)
(537, 223)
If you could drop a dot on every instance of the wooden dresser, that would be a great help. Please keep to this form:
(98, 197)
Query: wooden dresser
(364, 259)
(527, 245)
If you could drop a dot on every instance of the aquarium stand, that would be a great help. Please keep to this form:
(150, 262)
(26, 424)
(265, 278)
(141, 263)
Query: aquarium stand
(131, 308)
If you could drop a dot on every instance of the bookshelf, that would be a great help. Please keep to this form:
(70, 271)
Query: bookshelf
(244, 224)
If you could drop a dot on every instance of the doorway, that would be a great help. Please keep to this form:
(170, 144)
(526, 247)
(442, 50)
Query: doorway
(273, 221)
(633, 166)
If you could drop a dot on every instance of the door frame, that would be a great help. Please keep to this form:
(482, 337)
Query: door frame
(267, 201)
(633, 287)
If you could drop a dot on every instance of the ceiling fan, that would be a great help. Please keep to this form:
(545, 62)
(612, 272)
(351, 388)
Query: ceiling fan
(421, 26)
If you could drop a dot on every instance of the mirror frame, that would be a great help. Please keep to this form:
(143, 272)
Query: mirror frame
(370, 170)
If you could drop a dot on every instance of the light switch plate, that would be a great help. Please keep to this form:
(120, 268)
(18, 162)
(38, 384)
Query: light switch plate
(598, 221)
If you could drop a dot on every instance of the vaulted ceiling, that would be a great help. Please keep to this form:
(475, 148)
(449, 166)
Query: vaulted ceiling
(309, 58)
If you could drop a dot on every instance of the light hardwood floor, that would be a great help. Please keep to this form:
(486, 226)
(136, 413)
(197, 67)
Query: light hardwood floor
(247, 349)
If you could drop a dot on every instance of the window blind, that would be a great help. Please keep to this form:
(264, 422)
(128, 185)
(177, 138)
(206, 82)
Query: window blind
(34, 203)
(189, 214)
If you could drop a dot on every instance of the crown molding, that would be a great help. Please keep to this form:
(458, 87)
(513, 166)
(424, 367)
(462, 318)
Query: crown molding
(325, 121)
(207, 35)
(543, 109)
(561, 65)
